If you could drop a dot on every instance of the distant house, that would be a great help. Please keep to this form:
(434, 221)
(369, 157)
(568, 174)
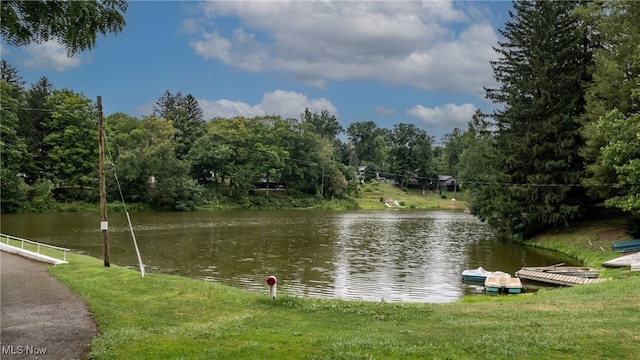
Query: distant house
(271, 184)
(448, 182)
(414, 180)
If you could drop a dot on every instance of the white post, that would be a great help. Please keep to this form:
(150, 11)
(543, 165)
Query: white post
(273, 283)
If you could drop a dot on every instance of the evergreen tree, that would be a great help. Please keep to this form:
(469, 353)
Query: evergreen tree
(10, 74)
(190, 127)
(187, 118)
(166, 106)
(354, 162)
(543, 70)
(33, 120)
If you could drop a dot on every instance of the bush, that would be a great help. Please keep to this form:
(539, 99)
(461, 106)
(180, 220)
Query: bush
(42, 195)
(443, 196)
(189, 195)
(13, 190)
(262, 202)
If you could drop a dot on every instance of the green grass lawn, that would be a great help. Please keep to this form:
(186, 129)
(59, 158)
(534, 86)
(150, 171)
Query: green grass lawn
(170, 317)
(370, 195)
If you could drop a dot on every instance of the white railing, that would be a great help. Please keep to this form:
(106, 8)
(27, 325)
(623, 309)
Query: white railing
(37, 244)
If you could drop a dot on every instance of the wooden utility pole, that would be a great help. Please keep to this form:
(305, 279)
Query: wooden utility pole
(103, 188)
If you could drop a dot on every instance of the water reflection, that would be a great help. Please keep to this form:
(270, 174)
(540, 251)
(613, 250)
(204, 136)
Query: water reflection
(411, 256)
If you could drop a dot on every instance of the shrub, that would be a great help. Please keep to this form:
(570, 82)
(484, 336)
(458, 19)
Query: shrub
(189, 195)
(42, 195)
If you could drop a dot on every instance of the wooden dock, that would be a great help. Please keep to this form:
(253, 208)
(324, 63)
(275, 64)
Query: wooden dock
(565, 280)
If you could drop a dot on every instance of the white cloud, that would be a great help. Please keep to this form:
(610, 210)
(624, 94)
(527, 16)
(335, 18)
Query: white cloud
(213, 46)
(431, 45)
(286, 104)
(191, 26)
(228, 109)
(444, 10)
(50, 56)
(384, 110)
(289, 104)
(446, 116)
(146, 109)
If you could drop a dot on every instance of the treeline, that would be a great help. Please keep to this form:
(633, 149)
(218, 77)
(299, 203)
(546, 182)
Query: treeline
(176, 159)
(566, 134)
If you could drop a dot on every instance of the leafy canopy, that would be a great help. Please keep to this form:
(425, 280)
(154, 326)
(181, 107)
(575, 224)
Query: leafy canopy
(74, 24)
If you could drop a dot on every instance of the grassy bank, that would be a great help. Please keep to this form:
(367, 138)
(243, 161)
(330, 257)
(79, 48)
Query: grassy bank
(589, 241)
(374, 195)
(369, 196)
(170, 317)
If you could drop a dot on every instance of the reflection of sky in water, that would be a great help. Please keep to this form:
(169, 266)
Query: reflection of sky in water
(392, 257)
(415, 256)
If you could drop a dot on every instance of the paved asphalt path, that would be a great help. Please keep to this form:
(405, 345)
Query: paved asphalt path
(39, 317)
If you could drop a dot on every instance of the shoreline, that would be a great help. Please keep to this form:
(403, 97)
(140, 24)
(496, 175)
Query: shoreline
(172, 316)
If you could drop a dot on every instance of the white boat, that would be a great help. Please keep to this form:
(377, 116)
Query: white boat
(481, 274)
(503, 284)
(624, 261)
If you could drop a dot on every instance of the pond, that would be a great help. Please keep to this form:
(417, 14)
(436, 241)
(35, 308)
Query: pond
(390, 255)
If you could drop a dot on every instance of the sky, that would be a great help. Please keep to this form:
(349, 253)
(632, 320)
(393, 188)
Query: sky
(423, 63)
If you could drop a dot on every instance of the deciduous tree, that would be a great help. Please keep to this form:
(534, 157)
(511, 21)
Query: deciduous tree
(71, 141)
(368, 142)
(613, 103)
(323, 123)
(74, 24)
(12, 149)
(411, 153)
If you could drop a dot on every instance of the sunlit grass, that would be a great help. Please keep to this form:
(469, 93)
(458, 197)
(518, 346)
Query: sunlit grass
(373, 195)
(589, 241)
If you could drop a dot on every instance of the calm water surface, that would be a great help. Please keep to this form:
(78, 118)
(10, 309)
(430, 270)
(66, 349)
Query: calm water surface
(411, 256)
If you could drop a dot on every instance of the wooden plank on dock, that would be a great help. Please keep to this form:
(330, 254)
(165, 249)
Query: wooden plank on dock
(558, 279)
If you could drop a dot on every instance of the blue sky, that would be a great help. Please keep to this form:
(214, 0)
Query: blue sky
(424, 63)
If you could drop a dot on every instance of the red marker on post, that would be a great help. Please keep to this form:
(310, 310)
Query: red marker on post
(272, 282)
